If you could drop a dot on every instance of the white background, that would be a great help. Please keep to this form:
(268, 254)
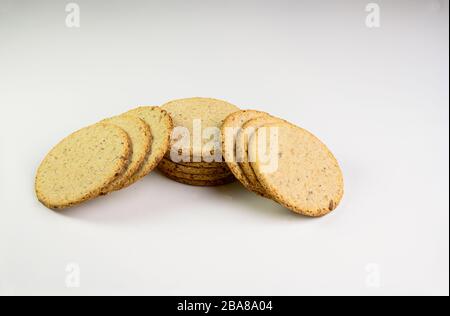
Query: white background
(378, 97)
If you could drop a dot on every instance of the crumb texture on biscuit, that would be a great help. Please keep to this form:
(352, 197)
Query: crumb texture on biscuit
(243, 137)
(199, 183)
(191, 176)
(210, 112)
(141, 141)
(82, 165)
(308, 179)
(169, 165)
(233, 148)
(161, 126)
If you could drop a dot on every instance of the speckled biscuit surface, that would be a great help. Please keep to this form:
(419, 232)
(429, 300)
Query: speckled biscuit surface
(82, 165)
(243, 137)
(161, 126)
(167, 164)
(200, 183)
(230, 130)
(141, 140)
(308, 179)
(210, 112)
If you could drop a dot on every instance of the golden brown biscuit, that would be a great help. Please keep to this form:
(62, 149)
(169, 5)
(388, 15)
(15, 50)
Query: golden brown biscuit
(161, 126)
(210, 113)
(308, 179)
(203, 177)
(167, 164)
(200, 183)
(200, 165)
(141, 140)
(233, 153)
(242, 138)
(82, 165)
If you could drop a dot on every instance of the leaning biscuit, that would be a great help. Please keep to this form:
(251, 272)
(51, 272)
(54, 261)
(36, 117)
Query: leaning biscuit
(193, 170)
(208, 113)
(307, 178)
(161, 126)
(82, 165)
(242, 139)
(232, 153)
(141, 141)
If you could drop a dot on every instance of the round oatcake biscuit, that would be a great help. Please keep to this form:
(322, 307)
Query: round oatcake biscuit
(194, 170)
(161, 126)
(210, 113)
(141, 141)
(243, 136)
(200, 183)
(308, 179)
(82, 165)
(232, 153)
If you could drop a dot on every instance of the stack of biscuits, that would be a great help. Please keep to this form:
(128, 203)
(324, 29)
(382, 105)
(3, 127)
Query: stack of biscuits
(198, 160)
